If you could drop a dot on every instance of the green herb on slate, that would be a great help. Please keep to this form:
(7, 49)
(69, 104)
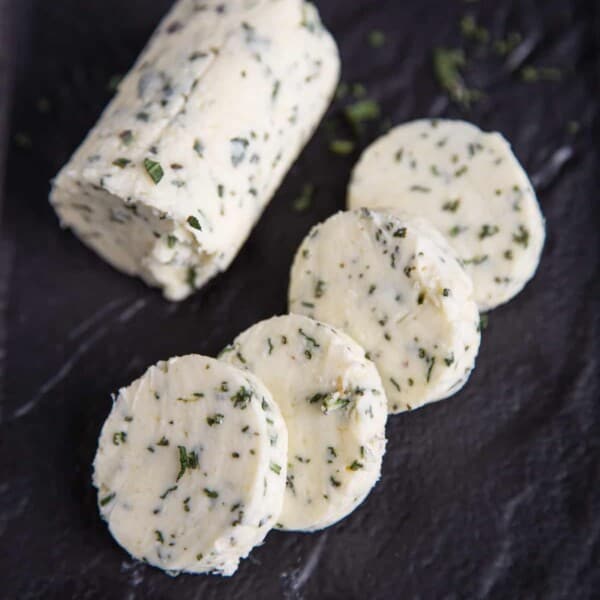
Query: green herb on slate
(376, 38)
(447, 65)
(341, 147)
(304, 201)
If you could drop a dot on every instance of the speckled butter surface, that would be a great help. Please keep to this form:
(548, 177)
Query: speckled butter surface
(334, 406)
(191, 465)
(398, 291)
(468, 184)
(170, 181)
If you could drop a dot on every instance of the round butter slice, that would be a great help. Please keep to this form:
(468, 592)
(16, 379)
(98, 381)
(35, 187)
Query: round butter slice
(471, 187)
(334, 405)
(191, 465)
(395, 287)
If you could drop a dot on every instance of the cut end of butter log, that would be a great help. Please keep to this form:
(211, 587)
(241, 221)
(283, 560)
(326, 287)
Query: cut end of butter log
(169, 183)
(334, 406)
(191, 466)
(394, 285)
(471, 187)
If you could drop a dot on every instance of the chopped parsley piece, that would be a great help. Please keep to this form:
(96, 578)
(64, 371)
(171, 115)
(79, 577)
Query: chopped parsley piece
(211, 493)
(355, 466)
(335, 482)
(163, 441)
(532, 74)
(171, 241)
(275, 468)
(451, 206)
(154, 170)
(120, 437)
(159, 536)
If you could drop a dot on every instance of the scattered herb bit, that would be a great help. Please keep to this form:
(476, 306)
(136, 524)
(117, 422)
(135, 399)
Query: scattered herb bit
(159, 536)
(275, 468)
(341, 147)
(186, 461)
(333, 402)
(186, 504)
(476, 260)
(334, 482)
(447, 64)
(319, 288)
(573, 127)
(359, 90)
(488, 231)
(449, 360)
(23, 140)
(163, 441)
(484, 321)
(472, 31)
(113, 82)
(420, 188)
(211, 493)
(376, 38)
(456, 230)
(308, 338)
(126, 136)
(508, 254)
(153, 169)
(395, 383)
(143, 116)
(451, 206)
(199, 148)
(120, 437)
(359, 112)
(193, 222)
(304, 201)
(445, 292)
(121, 162)
(522, 236)
(270, 343)
(104, 501)
(242, 398)
(276, 88)
(507, 45)
(355, 466)
(532, 74)
(215, 419)
(421, 298)
(168, 491)
(171, 241)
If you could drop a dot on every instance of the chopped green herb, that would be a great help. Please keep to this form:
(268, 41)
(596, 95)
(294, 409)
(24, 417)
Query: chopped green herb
(211, 493)
(186, 461)
(126, 136)
(121, 162)
(193, 222)
(334, 482)
(171, 241)
(168, 491)
(532, 74)
(476, 260)
(472, 31)
(483, 321)
(153, 169)
(163, 441)
(275, 468)
(341, 147)
(451, 206)
(376, 38)
(304, 201)
(120, 437)
(104, 501)
(447, 64)
(113, 82)
(215, 419)
(488, 231)
(241, 398)
(522, 236)
(159, 536)
(199, 148)
(506, 46)
(355, 466)
(364, 110)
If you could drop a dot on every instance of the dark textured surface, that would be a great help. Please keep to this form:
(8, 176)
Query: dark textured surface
(494, 493)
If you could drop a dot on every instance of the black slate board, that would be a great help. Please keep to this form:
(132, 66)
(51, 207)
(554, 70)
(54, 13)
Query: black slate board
(492, 494)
